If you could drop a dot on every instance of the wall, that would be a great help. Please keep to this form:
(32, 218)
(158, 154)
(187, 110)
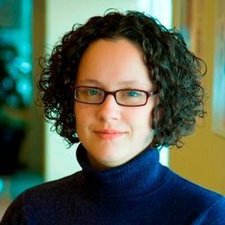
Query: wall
(35, 151)
(202, 159)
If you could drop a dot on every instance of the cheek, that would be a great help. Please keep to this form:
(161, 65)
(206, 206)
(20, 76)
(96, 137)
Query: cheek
(78, 112)
(83, 114)
(140, 119)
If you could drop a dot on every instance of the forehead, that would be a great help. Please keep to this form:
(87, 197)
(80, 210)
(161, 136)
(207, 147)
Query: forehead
(111, 61)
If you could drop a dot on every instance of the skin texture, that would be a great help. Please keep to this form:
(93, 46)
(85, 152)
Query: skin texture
(113, 134)
(175, 72)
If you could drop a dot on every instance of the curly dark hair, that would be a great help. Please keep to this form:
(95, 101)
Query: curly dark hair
(174, 70)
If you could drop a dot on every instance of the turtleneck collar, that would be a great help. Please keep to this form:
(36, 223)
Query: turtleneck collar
(140, 175)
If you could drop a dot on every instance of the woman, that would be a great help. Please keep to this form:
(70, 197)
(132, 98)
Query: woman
(123, 86)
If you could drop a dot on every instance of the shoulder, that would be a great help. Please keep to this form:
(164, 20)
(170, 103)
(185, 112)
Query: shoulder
(54, 189)
(71, 181)
(194, 191)
(45, 196)
(204, 206)
(214, 215)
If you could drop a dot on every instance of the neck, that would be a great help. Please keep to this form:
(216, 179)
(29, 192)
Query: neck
(138, 176)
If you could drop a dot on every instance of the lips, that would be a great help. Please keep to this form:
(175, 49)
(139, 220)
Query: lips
(109, 133)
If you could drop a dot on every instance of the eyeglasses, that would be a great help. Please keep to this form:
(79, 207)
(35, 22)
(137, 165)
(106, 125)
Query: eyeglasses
(123, 97)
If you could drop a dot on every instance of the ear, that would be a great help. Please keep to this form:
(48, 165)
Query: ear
(157, 112)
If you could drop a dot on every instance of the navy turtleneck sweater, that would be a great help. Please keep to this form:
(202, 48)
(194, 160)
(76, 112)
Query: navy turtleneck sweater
(140, 192)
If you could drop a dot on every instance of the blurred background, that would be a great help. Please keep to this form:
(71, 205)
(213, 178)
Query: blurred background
(31, 154)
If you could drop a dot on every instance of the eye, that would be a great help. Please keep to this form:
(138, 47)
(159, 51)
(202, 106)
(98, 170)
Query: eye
(93, 91)
(133, 93)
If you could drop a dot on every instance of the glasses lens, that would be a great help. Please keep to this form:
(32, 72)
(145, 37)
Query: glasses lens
(89, 95)
(131, 97)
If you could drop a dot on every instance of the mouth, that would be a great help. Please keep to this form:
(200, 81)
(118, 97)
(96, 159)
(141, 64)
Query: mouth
(109, 134)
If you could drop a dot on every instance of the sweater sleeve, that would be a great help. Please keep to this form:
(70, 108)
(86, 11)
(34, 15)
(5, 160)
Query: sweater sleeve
(215, 215)
(14, 214)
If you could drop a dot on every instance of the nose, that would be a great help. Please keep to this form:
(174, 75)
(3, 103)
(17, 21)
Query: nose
(109, 109)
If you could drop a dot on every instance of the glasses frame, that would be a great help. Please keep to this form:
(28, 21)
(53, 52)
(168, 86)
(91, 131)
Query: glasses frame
(113, 93)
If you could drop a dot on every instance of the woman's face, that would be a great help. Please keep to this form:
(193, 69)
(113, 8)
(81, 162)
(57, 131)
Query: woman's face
(113, 134)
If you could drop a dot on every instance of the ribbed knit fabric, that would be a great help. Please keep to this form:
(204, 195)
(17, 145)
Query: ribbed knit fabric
(140, 192)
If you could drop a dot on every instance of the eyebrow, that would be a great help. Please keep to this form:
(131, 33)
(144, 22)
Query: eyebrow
(96, 82)
(90, 81)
